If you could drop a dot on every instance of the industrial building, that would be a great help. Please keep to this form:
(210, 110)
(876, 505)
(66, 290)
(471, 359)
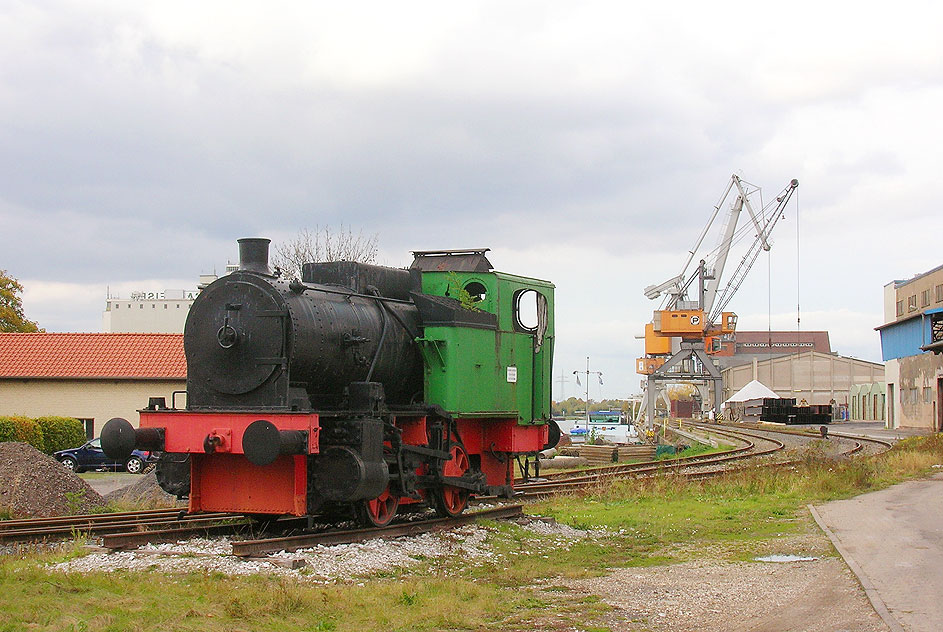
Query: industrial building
(92, 377)
(868, 402)
(802, 365)
(744, 347)
(813, 376)
(911, 342)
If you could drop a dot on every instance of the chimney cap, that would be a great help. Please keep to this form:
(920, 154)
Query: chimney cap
(253, 255)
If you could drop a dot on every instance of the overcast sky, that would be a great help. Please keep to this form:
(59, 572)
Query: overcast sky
(585, 143)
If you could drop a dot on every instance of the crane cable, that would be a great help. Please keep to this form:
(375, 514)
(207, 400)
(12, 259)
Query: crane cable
(798, 268)
(769, 312)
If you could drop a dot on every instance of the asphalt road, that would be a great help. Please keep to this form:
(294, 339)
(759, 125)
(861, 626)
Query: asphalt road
(105, 482)
(893, 540)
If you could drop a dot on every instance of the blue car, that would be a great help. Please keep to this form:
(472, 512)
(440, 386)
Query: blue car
(90, 456)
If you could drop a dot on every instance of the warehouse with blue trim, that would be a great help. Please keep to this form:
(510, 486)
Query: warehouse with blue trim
(912, 349)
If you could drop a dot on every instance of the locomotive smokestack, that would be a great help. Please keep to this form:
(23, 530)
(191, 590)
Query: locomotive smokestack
(253, 255)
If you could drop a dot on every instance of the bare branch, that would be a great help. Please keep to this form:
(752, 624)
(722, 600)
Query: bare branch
(324, 244)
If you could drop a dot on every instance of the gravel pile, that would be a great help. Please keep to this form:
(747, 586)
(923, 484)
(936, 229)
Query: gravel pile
(34, 485)
(144, 494)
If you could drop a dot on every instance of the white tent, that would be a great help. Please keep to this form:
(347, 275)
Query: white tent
(753, 390)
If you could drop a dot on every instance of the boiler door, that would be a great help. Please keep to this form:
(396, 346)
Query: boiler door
(235, 335)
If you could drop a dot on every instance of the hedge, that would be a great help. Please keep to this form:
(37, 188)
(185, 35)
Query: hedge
(61, 433)
(7, 429)
(17, 428)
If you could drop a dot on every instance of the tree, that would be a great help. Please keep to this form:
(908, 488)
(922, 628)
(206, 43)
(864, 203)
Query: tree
(324, 244)
(12, 318)
(681, 392)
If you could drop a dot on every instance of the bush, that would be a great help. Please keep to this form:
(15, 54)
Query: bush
(61, 433)
(24, 429)
(7, 429)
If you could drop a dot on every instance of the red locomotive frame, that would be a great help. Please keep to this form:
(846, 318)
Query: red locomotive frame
(224, 480)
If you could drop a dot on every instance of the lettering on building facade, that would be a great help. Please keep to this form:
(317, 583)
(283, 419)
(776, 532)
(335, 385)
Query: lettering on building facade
(766, 345)
(160, 296)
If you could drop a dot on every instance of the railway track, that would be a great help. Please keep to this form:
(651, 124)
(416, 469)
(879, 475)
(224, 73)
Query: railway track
(606, 470)
(698, 465)
(870, 445)
(129, 529)
(247, 548)
(701, 466)
(61, 527)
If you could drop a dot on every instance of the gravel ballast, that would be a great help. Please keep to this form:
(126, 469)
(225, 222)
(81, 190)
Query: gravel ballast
(325, 564)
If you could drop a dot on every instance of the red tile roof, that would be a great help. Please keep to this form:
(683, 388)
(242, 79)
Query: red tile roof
(109, 356)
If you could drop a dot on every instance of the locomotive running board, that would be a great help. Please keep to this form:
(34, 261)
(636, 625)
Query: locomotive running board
(249, 548)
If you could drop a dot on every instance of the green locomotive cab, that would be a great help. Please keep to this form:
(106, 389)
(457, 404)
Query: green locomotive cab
(487, 343)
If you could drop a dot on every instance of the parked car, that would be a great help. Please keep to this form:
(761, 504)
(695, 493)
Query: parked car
(90, 456)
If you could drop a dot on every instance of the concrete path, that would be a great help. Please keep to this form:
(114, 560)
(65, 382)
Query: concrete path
(877, 430)
(893, 540)
(873, 429)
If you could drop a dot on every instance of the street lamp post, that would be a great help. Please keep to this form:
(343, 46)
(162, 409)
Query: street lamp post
(587, 372)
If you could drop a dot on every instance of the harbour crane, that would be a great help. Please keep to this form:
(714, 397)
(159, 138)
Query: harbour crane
(685, 331)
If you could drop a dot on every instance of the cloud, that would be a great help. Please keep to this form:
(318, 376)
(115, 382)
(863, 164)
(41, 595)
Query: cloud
(585, 143)
(63, 306)
(851, 333)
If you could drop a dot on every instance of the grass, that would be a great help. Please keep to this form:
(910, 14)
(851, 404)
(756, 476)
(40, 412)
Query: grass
(96, 475)
(525, 584)
(36, 599)
(741, 509)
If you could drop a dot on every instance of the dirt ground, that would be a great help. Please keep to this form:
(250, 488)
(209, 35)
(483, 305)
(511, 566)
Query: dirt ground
(820, 595)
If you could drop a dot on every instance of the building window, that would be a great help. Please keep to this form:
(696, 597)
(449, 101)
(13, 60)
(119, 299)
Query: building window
(900, 308)
(939, 293)
(912, 303)
(89, 425)
(926, 394)
(924, 298)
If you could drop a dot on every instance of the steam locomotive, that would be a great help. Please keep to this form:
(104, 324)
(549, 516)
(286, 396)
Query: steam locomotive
(359, 387)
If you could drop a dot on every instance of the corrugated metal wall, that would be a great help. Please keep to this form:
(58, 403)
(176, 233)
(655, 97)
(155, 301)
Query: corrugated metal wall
(905, 338)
